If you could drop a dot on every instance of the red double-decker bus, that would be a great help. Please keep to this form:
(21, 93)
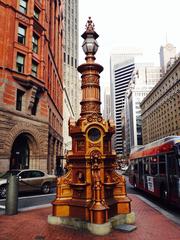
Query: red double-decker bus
(155, 168)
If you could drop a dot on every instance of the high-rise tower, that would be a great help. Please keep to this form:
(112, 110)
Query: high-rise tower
(122, 65)
(107, 104)
(72, 90)
(71, 56)
(167, 53)
(144, 78)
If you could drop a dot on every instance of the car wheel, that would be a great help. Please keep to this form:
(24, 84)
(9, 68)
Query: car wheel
(3, 191)
(46, 188)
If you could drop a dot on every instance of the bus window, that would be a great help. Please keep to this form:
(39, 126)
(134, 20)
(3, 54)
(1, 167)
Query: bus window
(135, 167)
(153, 165)
(131, 167)
(146, 166)
(140, 170)
(162, 166)
(154, 169)
(171, 163)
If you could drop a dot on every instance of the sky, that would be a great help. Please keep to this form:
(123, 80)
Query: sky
(143, 24)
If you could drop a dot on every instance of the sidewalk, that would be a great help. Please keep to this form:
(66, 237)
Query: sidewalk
(32, 225)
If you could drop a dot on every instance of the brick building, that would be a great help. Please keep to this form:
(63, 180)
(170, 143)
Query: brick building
(31, 86)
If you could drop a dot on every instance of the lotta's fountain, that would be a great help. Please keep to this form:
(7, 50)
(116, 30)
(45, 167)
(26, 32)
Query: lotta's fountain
(91, 195)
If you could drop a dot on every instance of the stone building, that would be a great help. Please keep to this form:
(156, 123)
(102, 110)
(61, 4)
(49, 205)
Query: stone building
(31, 86)
(161, 107)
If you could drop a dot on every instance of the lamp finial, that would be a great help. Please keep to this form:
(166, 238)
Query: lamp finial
(90, 25)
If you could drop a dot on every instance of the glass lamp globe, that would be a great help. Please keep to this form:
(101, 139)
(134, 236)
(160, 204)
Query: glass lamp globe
(90, 45)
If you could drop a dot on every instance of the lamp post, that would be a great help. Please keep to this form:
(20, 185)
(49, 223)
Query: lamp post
(90, 73)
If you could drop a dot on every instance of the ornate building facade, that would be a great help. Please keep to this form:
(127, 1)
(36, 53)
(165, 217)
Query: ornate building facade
(31, 86)
(161, 107)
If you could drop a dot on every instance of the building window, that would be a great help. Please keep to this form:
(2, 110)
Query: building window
(34, 68)
(35, 43)
(75, 63)
(36, 101)
(19, 96)
(72, 61)
(68, 59)
(21, 34)
(36, 13)
(64, 57)
(23, 6)
(20, 63)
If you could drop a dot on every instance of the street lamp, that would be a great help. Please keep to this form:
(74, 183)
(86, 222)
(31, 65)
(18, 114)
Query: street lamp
(90, 45)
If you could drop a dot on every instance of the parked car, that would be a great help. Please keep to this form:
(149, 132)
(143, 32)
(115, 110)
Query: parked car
(29, 180)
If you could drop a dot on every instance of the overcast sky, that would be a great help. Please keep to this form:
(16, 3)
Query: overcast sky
(144, 24)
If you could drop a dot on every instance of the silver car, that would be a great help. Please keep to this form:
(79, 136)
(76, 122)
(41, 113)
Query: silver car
(29, 180)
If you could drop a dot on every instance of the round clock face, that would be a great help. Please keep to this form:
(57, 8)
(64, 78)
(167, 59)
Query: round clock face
(94, 134)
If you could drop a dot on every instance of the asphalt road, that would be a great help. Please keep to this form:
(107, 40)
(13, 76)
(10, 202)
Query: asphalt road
(30, 200)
